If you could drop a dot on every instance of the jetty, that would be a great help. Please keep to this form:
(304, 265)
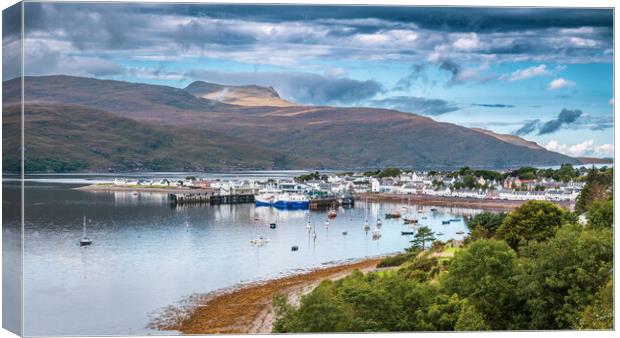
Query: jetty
(331, 202)
(206, 198)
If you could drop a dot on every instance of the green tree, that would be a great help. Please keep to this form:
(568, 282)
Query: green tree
(423, 235)
(598, 187)
(485, 224)
(558, 278)
(470, 319)
(483, 273)
(601, 214)
(533, 220)
(319, 311)
(600, 314)
(469, 181)
(389, 172)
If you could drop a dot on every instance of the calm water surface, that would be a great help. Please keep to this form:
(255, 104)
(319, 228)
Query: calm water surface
(147, 255)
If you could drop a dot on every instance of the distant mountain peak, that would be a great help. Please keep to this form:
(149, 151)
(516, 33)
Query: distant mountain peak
(247, 95)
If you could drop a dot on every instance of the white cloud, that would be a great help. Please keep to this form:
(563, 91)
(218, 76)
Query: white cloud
(468, 42)
(585, 148)
(611, 101)
(560, 83)
(522, 74)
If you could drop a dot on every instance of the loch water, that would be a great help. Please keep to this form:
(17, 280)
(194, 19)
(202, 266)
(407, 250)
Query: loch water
(147, 255)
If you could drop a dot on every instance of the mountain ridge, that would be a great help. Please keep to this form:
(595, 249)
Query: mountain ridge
(322, 136)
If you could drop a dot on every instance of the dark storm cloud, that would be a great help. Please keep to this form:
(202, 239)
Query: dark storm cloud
(566, 116)
(418, 105)
(527, 128)
(493, 105)
(303, 88)
(433, 18)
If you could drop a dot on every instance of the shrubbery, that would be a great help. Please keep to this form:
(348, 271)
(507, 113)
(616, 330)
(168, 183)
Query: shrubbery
(534, 268)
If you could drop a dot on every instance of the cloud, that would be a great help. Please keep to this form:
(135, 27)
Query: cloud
(303, 88)
(522, 74)
(528, 127)
(560, 83)
(566, 116)
(585, 148)
(494, 105)
(611, 102)
(418, 105)
(294, 36)
(467, 42)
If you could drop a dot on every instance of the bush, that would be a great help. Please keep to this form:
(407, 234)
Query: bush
(397, 260)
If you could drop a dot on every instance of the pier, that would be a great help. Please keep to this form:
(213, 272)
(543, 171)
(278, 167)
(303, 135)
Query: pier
(331, 202)
(232, 199)
(181, 199)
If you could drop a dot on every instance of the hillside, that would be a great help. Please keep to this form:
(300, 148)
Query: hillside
(325, 137)
(249, 96)
(77, 138)
(516, 140)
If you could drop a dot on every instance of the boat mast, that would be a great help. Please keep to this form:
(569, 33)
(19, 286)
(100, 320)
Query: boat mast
(84, 228)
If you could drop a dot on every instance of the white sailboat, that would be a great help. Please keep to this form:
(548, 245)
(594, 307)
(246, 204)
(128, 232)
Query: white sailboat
(366, 225)
(260, 239)
(85, 240)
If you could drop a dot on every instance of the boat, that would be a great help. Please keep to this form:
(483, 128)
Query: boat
(294, 248)
(308, 225)
(405, 233)
(424, 217)
(314, 235)
(327, 223)
(410, 220)
(395, 214)
(366, 225)
(454, 219)
(272, 225)
(445, 222)
(260, 240)
(460, 232)
(135, 193)
(85, 240)
(440, 234)
(376, 234)
(292, 201)
(345, 232)
(433, 209)
(332, 213)
(282, 201)
(379, 222)
(266, 200)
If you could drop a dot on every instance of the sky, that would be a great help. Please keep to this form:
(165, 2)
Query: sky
(545, 74)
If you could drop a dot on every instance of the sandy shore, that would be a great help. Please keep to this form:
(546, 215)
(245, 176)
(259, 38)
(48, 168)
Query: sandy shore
(248, 309)
(487, 204)
(172, 190)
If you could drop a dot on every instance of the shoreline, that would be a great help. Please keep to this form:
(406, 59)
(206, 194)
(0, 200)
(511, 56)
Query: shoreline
(443, 201)
(109, 188)
(247, 309)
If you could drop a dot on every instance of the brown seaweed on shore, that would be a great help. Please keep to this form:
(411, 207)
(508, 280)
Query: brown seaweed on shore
(244, 308)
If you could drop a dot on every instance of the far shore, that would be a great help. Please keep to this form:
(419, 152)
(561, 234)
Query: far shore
(461, 202)
(248, 308)
(163, 189)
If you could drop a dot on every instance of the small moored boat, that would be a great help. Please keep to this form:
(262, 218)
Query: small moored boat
(85, 240)
(395, 214)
